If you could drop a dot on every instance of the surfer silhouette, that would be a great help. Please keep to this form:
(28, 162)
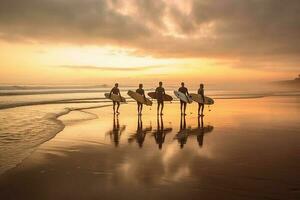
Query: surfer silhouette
(201, 105)
(141, 91)
(185, 91)
(115, 90)
(160, 92)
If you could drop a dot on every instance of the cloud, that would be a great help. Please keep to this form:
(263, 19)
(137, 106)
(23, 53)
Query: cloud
(83, 67)
(76, 21)
(162, 28)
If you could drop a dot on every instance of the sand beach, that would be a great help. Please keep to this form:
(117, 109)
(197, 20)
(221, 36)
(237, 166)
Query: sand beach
(240, 149)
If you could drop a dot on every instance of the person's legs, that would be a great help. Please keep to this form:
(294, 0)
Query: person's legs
(181, 105)
(202, 109)
(199, 106)
(118, 106)
(158, 105)
(162, 107)
(114, 106)
(141, 108)
(138, 107)
(184, 106)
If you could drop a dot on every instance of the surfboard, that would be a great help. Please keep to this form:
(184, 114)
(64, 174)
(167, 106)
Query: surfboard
(182, 97)
(197, 98)
(139, 98)
(166, 96)
(115, 97)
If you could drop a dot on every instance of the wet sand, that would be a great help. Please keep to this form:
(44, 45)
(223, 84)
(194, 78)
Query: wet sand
(241, 149)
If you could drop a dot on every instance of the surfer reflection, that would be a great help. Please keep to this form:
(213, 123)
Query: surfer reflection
(140, 134)
(116, 132)
(201, 130)
(200, 135)
(161, 132)
(183, 132)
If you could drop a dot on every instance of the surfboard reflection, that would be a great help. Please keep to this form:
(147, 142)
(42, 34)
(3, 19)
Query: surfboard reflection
(161, 132)
(116, 131)
(199, 132)
(140, 134)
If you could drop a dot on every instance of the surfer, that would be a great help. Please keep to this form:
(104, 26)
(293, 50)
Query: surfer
(201, 105)
(160, 92)
(141, 91)
(185, 91)
(115, 90)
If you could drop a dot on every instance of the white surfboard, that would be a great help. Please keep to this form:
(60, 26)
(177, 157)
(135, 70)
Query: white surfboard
(139, 98)
(182, 97)
(115, 97)
(197, 98)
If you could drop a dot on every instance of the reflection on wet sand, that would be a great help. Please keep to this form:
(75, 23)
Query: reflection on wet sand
(201, 130)
(161, 132)
(184, 132)
(140, 134)
(116, 131)
(226, 167)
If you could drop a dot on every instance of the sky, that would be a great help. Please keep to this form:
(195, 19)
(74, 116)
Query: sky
(131, 41)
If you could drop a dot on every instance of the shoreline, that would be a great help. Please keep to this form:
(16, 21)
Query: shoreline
(130, 100)
(54, 117)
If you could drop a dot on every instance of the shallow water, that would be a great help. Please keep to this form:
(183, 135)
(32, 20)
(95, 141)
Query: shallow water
(241, 149)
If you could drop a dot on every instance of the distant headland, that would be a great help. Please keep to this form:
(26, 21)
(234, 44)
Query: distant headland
(289, 83)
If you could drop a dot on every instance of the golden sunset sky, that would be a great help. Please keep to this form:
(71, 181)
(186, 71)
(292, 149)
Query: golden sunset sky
(129, 41)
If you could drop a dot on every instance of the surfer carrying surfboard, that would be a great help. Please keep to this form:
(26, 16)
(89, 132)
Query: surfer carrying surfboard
(141, 91)
(160, 92)
(201, 105)
(185, 91)
(115, 90)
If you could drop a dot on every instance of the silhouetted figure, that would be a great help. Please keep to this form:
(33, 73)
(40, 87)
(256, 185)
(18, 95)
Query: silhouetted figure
(160, 133)
(183, 90)
(115, 90)
(182, 134)
(201, 105)
(140, 134)
(116, 132)
(160, 92)
(141, 91)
